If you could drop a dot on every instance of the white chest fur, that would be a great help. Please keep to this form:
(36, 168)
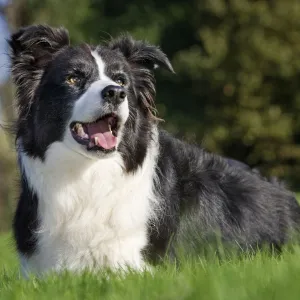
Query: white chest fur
(91, 213)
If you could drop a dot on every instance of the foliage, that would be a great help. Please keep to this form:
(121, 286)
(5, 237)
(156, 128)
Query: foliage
(8, 186)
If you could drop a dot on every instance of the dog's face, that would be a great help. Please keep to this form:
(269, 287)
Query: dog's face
(94, 100)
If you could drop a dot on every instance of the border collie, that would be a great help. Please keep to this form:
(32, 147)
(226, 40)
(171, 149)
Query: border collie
(101, 185)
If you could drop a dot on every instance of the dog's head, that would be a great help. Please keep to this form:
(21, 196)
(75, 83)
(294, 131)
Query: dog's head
(94, 100)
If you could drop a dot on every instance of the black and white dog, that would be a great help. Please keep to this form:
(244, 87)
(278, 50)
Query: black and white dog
(101, 184)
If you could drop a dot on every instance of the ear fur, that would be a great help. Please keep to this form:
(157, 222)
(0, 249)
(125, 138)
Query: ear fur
(143, 59)
(141, 53)
(32, 48)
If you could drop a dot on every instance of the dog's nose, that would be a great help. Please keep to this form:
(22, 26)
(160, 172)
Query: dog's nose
(114, 94)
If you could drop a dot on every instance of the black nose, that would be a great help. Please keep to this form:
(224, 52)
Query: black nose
(114, 94)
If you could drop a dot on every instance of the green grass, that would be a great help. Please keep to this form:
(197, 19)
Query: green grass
(260, 277)
(254, 278)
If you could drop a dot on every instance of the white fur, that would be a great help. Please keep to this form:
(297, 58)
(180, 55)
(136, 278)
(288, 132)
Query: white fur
(90, 107)
(101, 66)
(91, 213)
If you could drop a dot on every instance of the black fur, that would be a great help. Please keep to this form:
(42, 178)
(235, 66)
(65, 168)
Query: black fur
(143, 58)
(26, 220)
(197, 190)
(205, 194)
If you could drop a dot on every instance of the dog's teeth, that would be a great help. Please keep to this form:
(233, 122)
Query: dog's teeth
(81, 131)
(109, 127)
(77, 127)
(96, 140)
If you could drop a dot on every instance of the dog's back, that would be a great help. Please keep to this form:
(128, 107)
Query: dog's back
(204, 195)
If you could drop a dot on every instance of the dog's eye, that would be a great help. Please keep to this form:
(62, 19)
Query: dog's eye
(120, 81)
(73, 80)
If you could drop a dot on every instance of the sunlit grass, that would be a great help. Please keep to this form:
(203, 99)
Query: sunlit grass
(260, 277)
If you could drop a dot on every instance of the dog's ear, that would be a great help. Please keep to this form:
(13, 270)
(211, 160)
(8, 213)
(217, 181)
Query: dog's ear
(32, 48)
(141, 53)
(143, 58)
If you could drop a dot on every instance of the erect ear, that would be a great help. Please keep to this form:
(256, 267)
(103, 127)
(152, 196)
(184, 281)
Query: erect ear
(143, 59)
(32, 48)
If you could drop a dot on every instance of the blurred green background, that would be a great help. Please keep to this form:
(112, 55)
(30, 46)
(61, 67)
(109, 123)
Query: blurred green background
(237, 85)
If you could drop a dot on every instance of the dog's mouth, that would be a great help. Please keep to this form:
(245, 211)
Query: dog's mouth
(98, 135)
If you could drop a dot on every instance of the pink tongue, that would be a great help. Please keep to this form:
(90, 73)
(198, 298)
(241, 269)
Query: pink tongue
(101, 131)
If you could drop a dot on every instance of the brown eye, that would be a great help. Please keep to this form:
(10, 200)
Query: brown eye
(73, 80)
(120, 81)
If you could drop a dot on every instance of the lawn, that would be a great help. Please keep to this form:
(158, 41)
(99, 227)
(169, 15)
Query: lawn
(260, 277)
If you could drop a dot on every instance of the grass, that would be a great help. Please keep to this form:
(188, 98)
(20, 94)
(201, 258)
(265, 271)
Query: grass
(254, 278)
(259, 277)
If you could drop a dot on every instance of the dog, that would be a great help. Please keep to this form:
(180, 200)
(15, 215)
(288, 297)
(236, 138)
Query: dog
(102, 186)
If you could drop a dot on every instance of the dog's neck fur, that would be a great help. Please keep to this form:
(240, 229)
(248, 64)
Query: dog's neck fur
(90, 211)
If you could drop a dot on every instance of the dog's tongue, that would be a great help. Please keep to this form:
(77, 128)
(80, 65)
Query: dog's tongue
(104, 137)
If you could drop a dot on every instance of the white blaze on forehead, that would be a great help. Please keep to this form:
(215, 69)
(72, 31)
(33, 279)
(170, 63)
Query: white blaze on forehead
(101, 66)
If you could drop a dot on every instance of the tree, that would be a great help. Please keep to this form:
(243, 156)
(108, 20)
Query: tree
(247, 83)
